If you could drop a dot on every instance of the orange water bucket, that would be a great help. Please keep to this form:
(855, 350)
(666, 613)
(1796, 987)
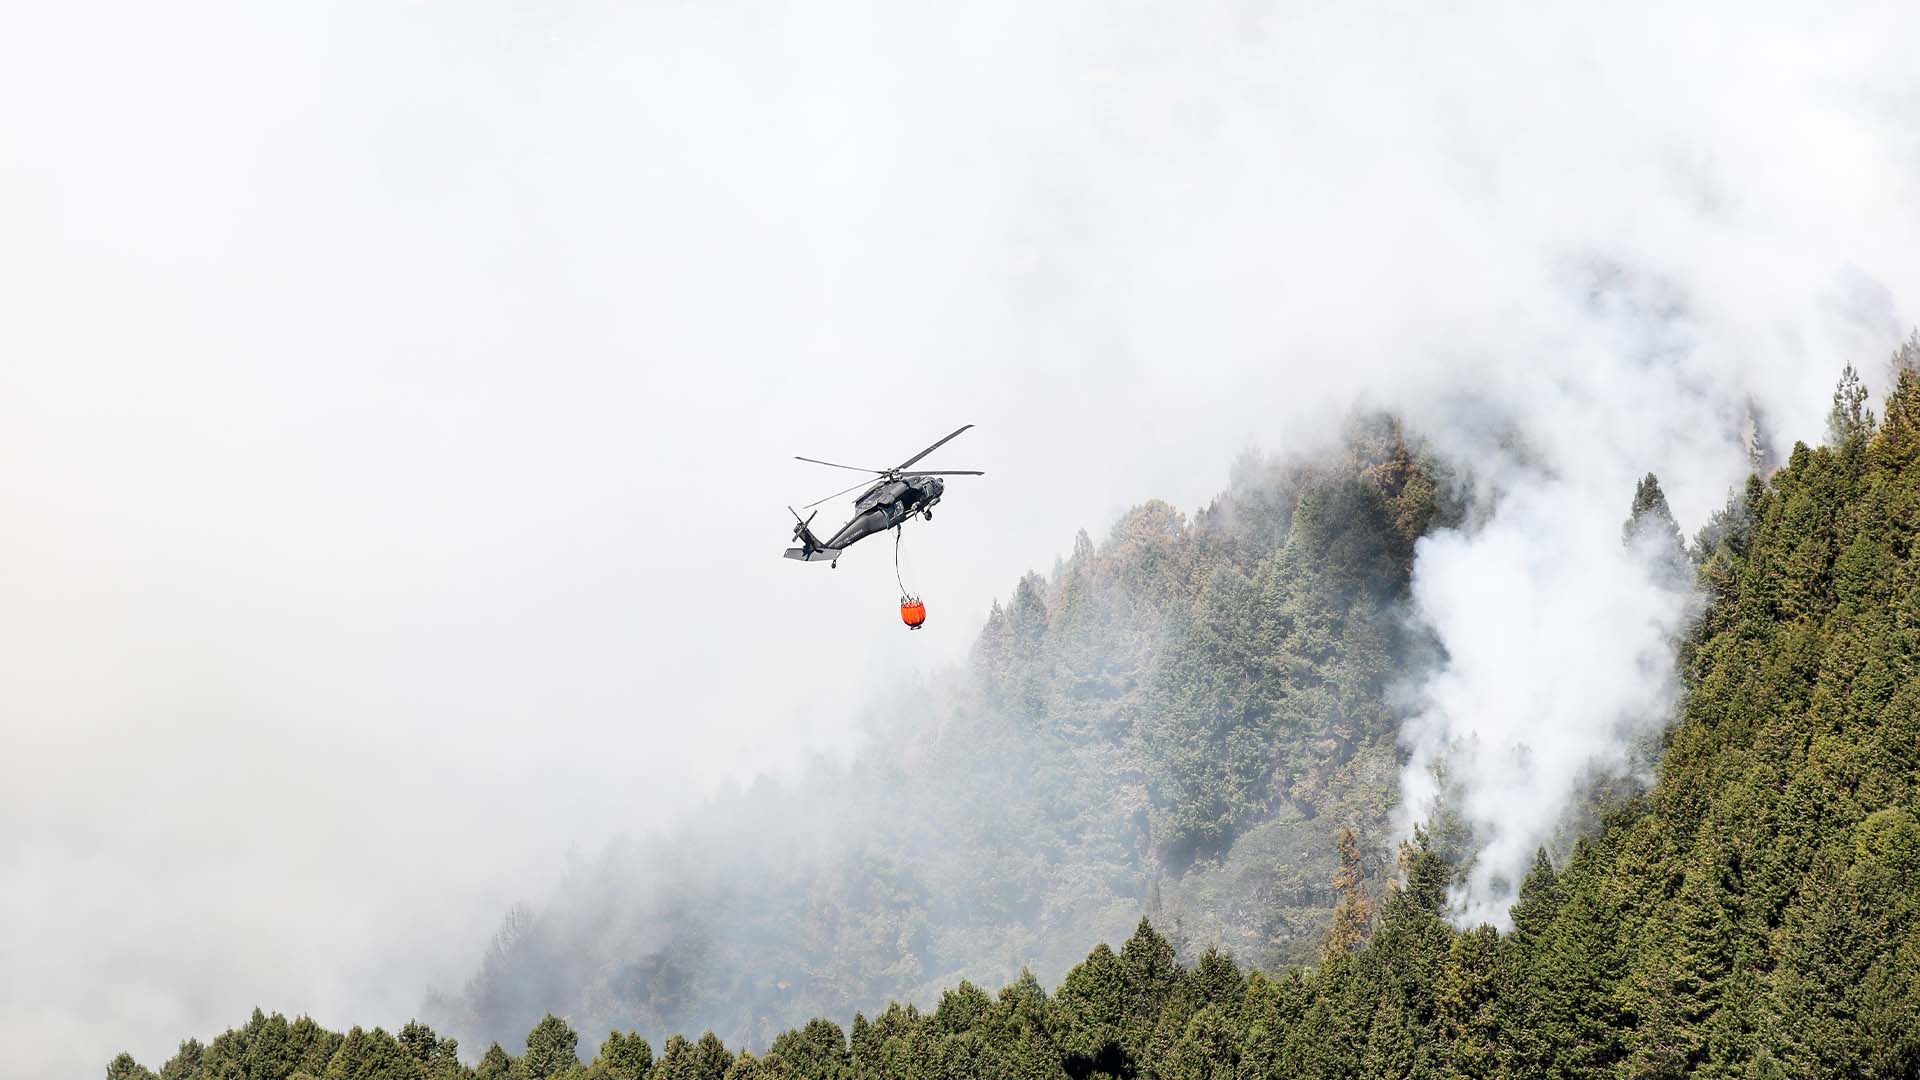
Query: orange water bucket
(912, 612)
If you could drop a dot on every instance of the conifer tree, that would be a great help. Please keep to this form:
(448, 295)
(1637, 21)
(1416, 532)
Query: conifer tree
(1208, 1048)
(1092, 1008)
(497, 1064)
(372, 1055)
(625, 1056)
(710, 1058)
(438, 1057)
(1899, 443)
(1577, 965)
(1538, 899)
(1652, 533)
(1468, 1005)
(817, 1051)
(124, 1067)
(1849, 419)
(1150, 975)
(185, 1063)
(552, 1048)
(748, 1067)
(1393, 1047)
(1353, 911)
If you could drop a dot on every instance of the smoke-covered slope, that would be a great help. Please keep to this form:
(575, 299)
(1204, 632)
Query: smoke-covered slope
(1175, 722)
(1757, 914)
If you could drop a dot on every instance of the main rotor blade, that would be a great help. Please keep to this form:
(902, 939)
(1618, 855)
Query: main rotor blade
(837, 494)
(944, 472)
(855, 468)
(929, 449)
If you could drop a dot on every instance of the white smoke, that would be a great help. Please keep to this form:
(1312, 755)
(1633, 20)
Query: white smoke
(1557, 638)
(1558, 655)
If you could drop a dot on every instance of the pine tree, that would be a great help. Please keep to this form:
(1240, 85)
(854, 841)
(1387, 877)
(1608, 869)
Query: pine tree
(372, 1055)
(1216, 980)
(1353, 911)
(1863, 897)
(552, 1048)
(1889, 1013)
(1150, 974)
(1538, 900)
(1025, 1022)
(1676, 990)
(185, 1063)
(1652, 533)
(1208, 1048)
(437, 1057)
(817, 1051)
(123, 1067)
(863, 1047)
(748, 1067)
(1092, 1008)
(1468, 1005)
(962, 1009)
(1393, 1048)
(1269, 1009)
(1758, 441)
(622, 1057)
(497, 1064)
(1577, 963)
(710, 1058)
(1736, 1036)
(1850, 419)
(1899, 442)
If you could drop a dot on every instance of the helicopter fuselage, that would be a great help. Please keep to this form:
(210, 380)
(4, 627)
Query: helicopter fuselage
(886, 504)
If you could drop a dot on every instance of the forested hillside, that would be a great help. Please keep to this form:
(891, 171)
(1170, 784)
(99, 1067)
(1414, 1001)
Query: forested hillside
(1177, 721)
(1191, 704)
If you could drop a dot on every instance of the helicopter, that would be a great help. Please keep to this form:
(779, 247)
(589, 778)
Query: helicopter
(887, 503)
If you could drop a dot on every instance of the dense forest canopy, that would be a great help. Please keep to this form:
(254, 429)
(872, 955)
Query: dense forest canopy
(1179, 712)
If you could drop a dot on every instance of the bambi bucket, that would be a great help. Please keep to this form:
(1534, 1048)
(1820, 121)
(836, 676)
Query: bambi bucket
(912, 612)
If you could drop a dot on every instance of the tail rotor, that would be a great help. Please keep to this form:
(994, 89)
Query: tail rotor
(810, 549)
(800, 525)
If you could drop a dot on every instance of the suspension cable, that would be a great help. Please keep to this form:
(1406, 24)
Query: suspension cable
(896, 561)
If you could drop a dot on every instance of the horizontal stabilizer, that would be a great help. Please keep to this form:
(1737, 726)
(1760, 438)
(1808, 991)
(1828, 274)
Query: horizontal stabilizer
(816, 555)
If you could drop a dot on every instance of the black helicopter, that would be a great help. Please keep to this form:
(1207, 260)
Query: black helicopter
(887, 502)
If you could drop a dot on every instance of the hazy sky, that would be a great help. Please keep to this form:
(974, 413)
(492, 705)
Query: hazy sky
(397, 402)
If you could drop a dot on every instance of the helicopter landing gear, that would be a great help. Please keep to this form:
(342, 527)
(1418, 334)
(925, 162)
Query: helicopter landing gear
(834, 565)
(927, 513)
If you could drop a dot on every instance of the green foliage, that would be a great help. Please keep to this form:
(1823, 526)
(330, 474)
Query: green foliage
(438, 1057)
(1849, 420)
(184, 1064)
(625, 1056)
(707, 1059)
(123, 1067)
(817, 1051)
(371, 1055)
(497, 1064)
(551, 1048)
